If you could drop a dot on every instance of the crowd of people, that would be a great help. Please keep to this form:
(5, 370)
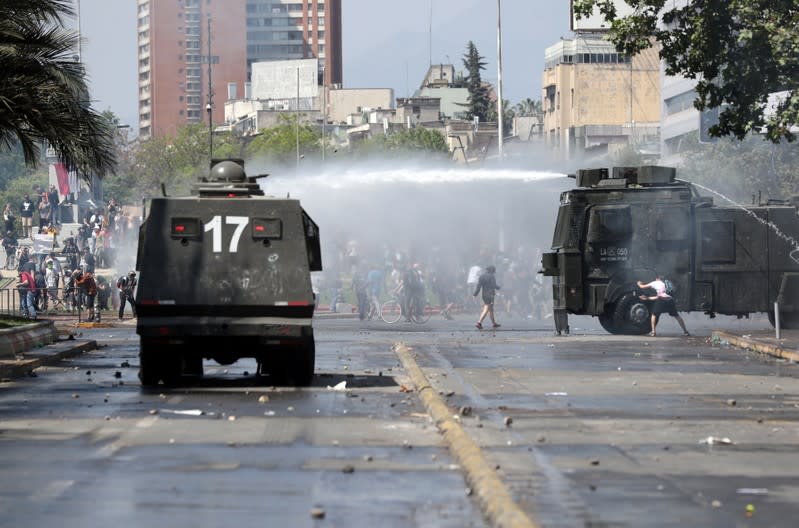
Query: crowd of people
(43, 282)
(441, 280)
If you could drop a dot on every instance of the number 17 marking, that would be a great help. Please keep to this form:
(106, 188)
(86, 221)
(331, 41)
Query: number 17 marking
(215, 226)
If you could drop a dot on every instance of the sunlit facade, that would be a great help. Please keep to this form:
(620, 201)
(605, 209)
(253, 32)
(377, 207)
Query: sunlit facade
(174, 56)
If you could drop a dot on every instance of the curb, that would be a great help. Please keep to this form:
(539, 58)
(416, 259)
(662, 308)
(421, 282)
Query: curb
(44, 356)
(18, 339)
(494, 498)
(757, 346)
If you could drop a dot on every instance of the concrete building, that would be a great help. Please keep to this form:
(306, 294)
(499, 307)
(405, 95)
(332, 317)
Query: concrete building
(173, 60)
(173, 52)
(445, 84)
(595, 99)
(296, 29)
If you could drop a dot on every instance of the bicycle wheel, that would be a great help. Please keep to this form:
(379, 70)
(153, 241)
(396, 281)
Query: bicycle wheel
(391, 311)
(422, 312)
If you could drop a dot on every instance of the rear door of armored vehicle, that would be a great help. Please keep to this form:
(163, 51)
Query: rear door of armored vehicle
(226, 278)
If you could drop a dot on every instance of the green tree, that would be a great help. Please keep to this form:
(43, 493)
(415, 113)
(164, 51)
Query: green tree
(403, 142)
(739, 51)
(529, 107)
(44, 96)
(508, 113)
(478, 103)
(278, 145)
(175, 161)
(743, 169)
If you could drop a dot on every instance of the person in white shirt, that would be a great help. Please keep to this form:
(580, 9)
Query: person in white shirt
(662, 302)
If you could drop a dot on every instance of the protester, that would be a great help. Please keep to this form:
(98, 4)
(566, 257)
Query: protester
(488, 284)
(662, 302)
(126, 284)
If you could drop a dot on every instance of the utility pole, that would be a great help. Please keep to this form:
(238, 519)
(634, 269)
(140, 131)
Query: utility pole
(209, 106)
(298, 119)
(499, 80)
(324, 113)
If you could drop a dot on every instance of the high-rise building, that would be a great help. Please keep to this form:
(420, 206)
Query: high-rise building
(174, 52)
(296, 29)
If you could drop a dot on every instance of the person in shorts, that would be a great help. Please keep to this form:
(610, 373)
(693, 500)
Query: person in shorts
(488, 284)
(662, 302)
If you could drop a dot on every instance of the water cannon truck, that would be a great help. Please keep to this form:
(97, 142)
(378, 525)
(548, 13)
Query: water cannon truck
(627, 224)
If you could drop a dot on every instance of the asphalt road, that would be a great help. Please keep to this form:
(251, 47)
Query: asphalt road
(585, 430)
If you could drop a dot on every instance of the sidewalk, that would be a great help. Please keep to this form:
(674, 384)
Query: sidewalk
(764, 341)
(27, 362)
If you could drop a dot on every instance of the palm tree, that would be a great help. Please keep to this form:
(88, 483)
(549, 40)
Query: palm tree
(529, 107)
(44, 95)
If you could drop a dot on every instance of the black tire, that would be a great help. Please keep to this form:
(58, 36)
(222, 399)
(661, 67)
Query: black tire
(293, 366)
(788, 320)
(303, 365)
(607, 320)
(421, 312)
(149, 366)
(631, 316)
(159, 365)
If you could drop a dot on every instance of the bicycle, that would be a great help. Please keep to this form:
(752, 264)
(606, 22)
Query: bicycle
(420, 309)
(391, 310)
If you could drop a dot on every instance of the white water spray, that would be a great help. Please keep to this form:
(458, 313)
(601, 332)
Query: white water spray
(794, 254)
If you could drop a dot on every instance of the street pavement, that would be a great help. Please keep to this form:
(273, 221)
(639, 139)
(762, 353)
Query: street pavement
(71, 343)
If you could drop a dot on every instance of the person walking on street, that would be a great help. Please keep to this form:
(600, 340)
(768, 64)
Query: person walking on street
(663, 302)
(488, 284)
(126, 286)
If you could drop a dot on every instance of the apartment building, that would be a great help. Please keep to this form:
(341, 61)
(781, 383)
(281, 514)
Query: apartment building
(174, 54)
(596, 99)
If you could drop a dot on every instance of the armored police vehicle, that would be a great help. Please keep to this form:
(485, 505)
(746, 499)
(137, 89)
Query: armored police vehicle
(621, 226)
(226, 274)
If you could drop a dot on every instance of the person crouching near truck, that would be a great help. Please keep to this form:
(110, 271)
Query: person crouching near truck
(662, 302)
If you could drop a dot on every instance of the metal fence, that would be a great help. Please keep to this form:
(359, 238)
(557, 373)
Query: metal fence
(54, 301)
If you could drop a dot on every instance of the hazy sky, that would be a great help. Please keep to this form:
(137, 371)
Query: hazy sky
(386, 44)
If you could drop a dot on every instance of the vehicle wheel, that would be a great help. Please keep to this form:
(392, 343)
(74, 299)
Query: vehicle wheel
(631, 315)
(303, 365)
(421, 314)
(391, 311)
(149, 367)
(607, 320)
(193, 365)
(788, 320)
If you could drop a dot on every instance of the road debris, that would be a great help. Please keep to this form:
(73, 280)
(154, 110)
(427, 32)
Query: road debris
(317, 513)
(556, 394)
(752, 491)
(263, 398)
(342, 386)
(508, 421)
(716, 440)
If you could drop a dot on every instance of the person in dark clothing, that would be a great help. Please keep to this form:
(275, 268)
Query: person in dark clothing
(488, 284)
(26, 208)
(126, 286)
(71, 251)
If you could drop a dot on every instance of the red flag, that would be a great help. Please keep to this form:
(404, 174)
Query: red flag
(63, 178)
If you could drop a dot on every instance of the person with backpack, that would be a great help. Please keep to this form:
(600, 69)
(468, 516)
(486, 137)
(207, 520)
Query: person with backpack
(662, 301)
(126, 286)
